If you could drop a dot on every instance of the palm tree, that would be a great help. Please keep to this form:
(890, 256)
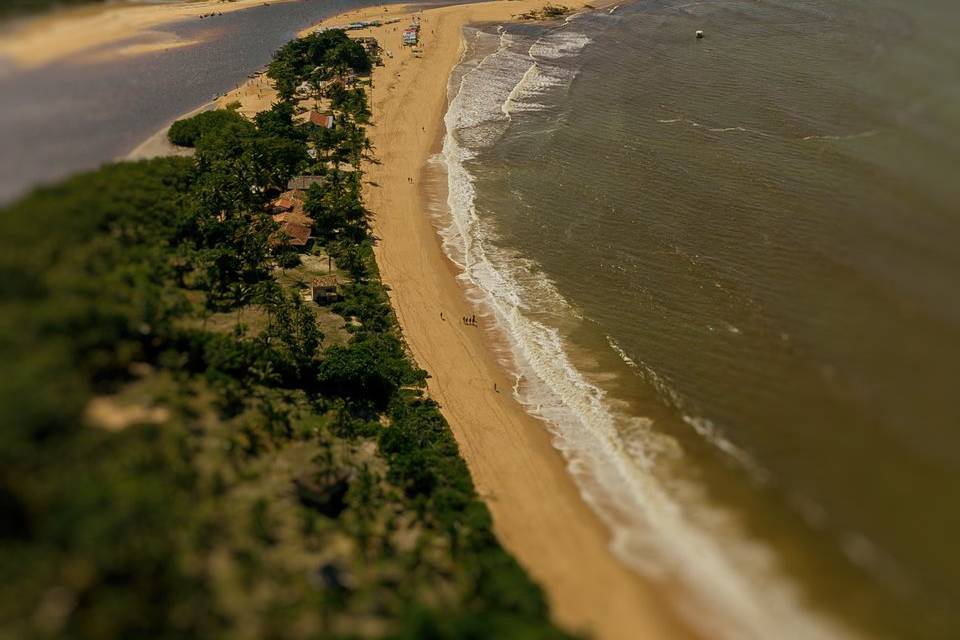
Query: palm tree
(239, 293)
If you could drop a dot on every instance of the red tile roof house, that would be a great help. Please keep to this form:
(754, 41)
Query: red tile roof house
(321, 119)
(297, 226)
(296, 217)
(298, 235)
(291, 200)
(282, 204)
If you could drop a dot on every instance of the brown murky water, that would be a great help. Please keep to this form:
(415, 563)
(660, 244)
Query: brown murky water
(730, 274)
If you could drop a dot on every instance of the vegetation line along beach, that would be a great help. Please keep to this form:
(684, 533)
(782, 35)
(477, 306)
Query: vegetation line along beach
(215, 426)
(538, 512)
(537, 509)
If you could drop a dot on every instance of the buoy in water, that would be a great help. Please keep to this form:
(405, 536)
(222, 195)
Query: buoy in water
(699, 34)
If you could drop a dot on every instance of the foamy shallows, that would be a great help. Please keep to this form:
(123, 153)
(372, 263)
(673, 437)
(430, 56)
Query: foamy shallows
(630, 473)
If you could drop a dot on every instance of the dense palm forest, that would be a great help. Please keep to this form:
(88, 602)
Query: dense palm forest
(189, 449)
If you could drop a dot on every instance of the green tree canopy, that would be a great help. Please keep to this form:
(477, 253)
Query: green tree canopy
(188, 131)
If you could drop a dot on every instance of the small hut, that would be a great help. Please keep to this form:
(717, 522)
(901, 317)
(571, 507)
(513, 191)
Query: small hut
(324, 289)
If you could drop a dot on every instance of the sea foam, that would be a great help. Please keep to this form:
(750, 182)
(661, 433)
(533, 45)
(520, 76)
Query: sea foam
(663, 527)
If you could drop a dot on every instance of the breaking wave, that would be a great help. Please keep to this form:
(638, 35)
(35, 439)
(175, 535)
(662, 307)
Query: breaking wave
(662, 527)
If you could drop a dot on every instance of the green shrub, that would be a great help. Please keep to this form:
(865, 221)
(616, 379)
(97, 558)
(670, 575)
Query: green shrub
(368, 370)
(189, 131)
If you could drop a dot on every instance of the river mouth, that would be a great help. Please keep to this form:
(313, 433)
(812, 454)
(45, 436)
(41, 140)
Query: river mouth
(77, 114)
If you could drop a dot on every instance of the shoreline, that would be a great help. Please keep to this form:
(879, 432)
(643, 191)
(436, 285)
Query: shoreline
(539, 513)
(158, 145)
(36, 41)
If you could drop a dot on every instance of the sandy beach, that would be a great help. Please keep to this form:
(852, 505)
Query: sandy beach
(694, 254)
(537, 509)
(105, 31)
(538, 512)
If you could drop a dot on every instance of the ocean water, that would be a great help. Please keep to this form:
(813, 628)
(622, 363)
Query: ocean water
(728, 275)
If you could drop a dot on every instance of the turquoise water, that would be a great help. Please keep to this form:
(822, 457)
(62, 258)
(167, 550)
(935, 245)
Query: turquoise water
(728, 270)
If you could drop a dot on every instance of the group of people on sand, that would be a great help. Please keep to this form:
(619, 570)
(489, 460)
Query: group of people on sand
(468, 320)
(472, 322)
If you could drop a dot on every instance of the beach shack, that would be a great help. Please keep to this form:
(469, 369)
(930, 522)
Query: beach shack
(370, 45)
(411, 35)
(324, 289)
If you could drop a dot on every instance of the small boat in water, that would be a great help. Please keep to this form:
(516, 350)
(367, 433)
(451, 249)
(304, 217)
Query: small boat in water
(699, 34)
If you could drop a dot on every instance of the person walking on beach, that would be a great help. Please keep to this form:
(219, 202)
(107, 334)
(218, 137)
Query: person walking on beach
(441, 315)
